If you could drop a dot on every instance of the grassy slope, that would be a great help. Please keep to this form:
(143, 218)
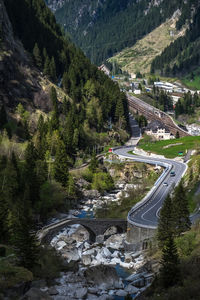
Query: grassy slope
(193, 83)
(140, 56)
(189, 142)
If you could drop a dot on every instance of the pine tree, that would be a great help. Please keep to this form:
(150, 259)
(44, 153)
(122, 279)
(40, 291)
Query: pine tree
(29, 176)
(3, 217)
(119, 110)
(93, 163)
(169, 272)
(165, 224)
(21, 233)
(66, 83)
(55, 114)
(52, 69)
(61, 164)
(46, 69)
(66, 106)
(37, 56)
(3, 117)
(71, 187)
(180, 212)
(177, 135)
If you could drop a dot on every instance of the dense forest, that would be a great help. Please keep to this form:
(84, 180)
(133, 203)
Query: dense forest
(187, 104)
(36, 155)
(182, 56)
(105, 27)
(95, 99)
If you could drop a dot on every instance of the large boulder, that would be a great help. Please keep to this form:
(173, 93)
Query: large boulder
(121, 293)
(92, 297)
(81, 293)
(52, 291)
(86, 259)
(71, 255)
(131, 289)
(91, 194)
(106, 253)
(36, 294)
(101, 275)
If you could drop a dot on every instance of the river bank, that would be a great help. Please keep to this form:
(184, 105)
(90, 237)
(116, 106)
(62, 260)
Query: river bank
(104, 269)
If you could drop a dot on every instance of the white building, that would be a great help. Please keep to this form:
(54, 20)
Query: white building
(104, 69)
(137, 92)
(159, 131)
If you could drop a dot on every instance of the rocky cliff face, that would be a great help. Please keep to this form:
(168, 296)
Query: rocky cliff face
(55, 4)
(20, 82)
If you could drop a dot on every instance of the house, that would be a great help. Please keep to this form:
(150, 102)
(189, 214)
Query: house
(137, 92)
(166, 86)
(159, 131)
(104, 69)
(133, 75)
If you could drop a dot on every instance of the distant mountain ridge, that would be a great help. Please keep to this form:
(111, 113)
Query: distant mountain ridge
(104, 27)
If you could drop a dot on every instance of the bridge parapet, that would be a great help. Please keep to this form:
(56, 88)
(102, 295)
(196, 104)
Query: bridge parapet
(95, 227)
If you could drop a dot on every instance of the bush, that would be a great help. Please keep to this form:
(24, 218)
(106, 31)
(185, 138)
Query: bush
(102, 182)
(88, 175)
(52, 196)
(50, 264)
(186, 244)
(12, 275)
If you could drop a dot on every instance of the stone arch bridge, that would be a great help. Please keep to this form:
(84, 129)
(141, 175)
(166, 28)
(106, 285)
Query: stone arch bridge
(95, 227)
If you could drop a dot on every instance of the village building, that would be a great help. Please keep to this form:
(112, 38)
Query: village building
(104, 69)
(159, 131)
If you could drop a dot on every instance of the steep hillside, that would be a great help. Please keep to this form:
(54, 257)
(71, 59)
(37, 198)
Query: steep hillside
(140, 56)
(182, 56)
(56, 109)
(102, 28)
(51, 57)
(19, 80)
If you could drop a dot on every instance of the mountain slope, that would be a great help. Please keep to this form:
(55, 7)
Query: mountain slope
(102, 28)
(140, 56)
(60, 61)
(182, 56)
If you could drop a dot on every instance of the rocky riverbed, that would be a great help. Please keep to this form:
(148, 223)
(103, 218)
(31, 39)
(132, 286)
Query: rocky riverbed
(105, 270)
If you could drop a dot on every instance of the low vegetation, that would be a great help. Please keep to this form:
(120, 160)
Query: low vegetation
(140, 56)
(187, 287)
(143, 180)
(159, 147)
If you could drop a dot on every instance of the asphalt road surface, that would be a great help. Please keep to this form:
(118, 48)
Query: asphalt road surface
(146, 214)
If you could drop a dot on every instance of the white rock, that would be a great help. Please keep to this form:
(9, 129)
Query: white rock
(100, 239)
(71, 255)
(131, 289)
(89, 252)
(119, 284)
(121, 293)
(106, 253)
(105, 297)
(80, 293)
(128, 257)
(104, 286)
(86, 260)
(95, 262)
(60, 245)
(126, 265)
(115, 254)
(92, 297)
(86, 245)
(115, 261)
(92, 290)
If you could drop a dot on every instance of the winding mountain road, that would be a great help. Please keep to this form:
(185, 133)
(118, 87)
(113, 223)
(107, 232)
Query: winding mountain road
(146, 213)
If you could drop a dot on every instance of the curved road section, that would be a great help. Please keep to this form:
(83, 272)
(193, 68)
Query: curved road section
(146, 213)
